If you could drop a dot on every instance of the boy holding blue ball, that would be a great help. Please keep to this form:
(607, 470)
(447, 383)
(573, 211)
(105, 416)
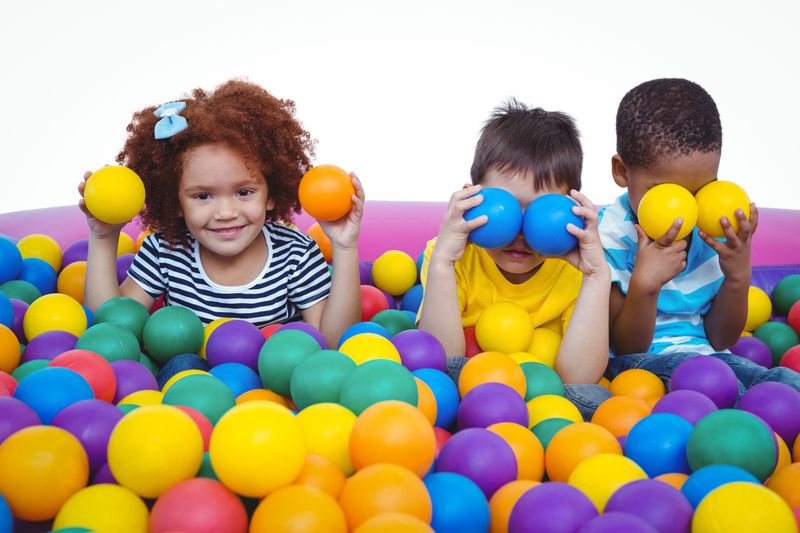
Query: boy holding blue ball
(527, 153)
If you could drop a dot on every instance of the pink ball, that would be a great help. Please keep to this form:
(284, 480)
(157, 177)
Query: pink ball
(97, 372)
(199, 505)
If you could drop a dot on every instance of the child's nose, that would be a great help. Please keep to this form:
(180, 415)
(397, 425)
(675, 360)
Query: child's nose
(226, 208)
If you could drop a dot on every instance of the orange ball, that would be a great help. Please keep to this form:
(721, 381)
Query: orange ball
(676, 479)
(324, 243)
(141, 237)
(261, 394)
(298, 509)
(491, 367)
(573, 444)
(637, 383)
(326, 192)
(384, 488)
(796, 450)
(784, 457)
(72, 279)
(526, 447)
(426, 401)
(394, 523)
(322, 473)
(619, 414)
(786, 482)
(393, 432)
(503, 501)
(9, 350)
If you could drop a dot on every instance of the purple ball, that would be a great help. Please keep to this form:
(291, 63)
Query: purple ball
(15, 415)
(617, 523)
(710, 376)
(419, 349)
(132, 376)
(659, 504)
(77, 251)
(365, 273)
(91, 422)
(778, 405)
(48, 345)
(104, 475)
(124, 262)
(754, 349)
(306, 328)
(689, 404)
(19, 307)
(490, 403)
(480, 455)
(553, 507)
(235, 341)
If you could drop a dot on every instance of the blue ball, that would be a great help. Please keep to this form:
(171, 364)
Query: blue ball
(708, 478)
(179, 363)
(657, 443)
(6, 311)
(545, 224)
(6, 520)
(49, 390)
(505, 218)
(420, 260)
(39, 273)
(10, 260)
(364, 327)
(412, 299)
(459, 505)
(238, 377)
(446, 393)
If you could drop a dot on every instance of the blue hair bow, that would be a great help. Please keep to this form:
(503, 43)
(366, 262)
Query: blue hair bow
(171, 122)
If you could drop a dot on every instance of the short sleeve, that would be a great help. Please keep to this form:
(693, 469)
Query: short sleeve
(619, 239)
(310, 281)
(146, 267)
(423, 276)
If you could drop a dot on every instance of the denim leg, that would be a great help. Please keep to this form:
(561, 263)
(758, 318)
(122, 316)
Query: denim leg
(751, 374)
(454, 365)
(586, 397)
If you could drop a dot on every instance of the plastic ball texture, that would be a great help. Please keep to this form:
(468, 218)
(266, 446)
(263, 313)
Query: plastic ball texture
(103, 507)
(504, 327)
(394, 272)
(599, 476)
(551, 507)
(717, 199)
(504, 218)
(544, 224)
(170, 331)
(326, 192)
(199, 505)
(661, 205)
(743, 507)
(480, 455)
(114, 194)
(54, 312)
(458, 504)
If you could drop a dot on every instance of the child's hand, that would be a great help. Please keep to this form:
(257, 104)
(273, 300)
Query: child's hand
(734, 253)
(454, 230)
(659, 261)
(344, 232)
(99, 229)
(588, 257)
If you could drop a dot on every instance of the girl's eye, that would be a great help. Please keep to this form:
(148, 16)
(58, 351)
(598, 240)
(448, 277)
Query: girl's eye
(245, 192)
(202, 196)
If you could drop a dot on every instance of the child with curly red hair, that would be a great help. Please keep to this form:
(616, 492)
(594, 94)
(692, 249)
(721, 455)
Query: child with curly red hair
(221, 171)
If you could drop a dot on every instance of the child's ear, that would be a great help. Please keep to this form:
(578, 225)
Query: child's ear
(619, 170)
(270, 204)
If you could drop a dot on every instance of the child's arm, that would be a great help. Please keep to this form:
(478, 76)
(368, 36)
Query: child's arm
(633, 317)
(583, 354)
(101, 263)
(725, 320)
(441, 314)
(342, 308)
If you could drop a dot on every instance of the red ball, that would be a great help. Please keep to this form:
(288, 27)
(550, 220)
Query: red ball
(442, 435)
(8, 380)
(92, 367)
(472, 346)
(202, 422)
(373, 301)
(267, 331)
(199, 505)
(793, 318)
(791, 358)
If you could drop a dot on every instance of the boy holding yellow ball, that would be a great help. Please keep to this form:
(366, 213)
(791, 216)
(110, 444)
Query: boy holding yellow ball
(676, 290)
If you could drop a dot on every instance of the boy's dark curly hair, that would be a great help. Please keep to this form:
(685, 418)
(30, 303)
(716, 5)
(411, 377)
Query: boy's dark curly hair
(239, 114)
(666, 117)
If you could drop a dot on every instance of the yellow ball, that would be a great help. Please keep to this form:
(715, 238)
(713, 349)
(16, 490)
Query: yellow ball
(43, 247)
(114, 194)
(180, 375)
(549, 406)
(544, 345)
(154, 448)
(661, 205)
(327, 428)
(743, 507)
(54, 312)
(142, 397)
(208, 330)
(599, 476)
(394, 272)
(365, 347)
(40, 468)
(525, 357)
(125, 245)
(759, 308)
(257, 447)
(9, 350)
(72, 280)
(504, 327)
(720, 199)
(104, 507)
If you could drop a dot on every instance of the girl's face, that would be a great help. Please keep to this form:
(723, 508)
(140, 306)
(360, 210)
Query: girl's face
(223, 202)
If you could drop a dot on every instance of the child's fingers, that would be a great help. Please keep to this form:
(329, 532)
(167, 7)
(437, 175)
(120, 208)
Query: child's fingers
(475, 223)
(669, 237)
(643, 239)
(716, 245)
(357, 185)
(753, 218)
(581, 198)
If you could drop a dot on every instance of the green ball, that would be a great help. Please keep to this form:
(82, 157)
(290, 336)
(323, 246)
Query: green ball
(733, 437)
(779, 337)
(29, 367)
(319, 377)
(111, 341)
(541, 379)
(547, 429)
(280, 355)
(785, 294)
(20, 290)
(202, 392)
(170, 331)
(206, 469)
(151, 365)
(128, 407)
(375, 381)
(125, 312)
(393, 320)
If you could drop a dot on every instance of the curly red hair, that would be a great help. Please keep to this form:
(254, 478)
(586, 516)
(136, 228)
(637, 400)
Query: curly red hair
(239, 114)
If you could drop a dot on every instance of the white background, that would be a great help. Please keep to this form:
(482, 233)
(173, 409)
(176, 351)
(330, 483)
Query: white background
(396, 91)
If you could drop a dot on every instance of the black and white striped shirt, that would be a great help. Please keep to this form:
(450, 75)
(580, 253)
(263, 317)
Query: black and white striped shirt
(295, 277)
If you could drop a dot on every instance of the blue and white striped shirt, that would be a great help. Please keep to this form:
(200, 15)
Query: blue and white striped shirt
(295, 277)
(684, 300)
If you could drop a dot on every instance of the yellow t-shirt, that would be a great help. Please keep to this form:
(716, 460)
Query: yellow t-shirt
(549, 295)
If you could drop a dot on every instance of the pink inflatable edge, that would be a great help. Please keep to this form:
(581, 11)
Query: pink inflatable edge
(405, 226)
